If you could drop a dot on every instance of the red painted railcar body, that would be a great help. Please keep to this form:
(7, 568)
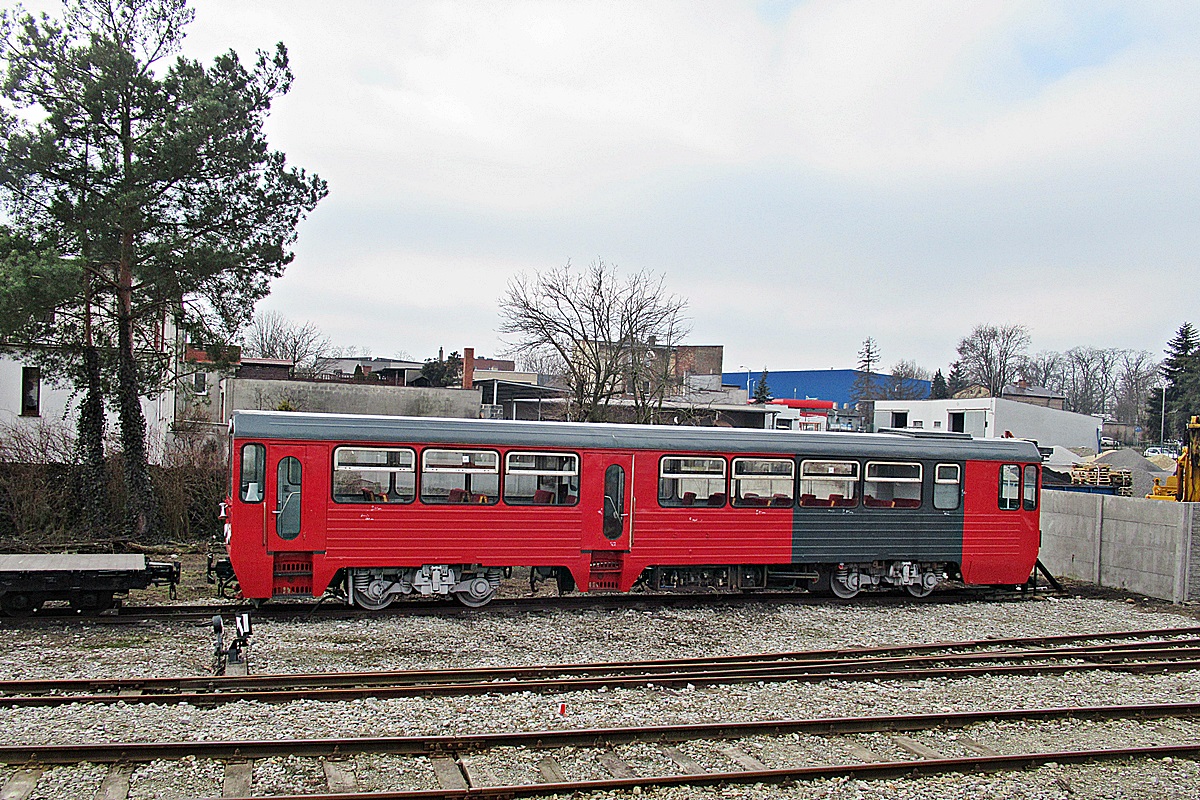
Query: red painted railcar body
(289, 533)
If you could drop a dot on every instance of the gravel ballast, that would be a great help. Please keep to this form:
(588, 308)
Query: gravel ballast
(76, 650)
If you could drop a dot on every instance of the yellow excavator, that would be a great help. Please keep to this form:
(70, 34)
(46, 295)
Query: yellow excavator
(1184, 485)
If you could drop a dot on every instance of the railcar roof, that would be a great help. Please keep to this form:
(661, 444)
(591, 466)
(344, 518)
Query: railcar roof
(354, 428)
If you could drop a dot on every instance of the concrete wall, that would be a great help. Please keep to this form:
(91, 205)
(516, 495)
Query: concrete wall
(242, 394)
(1145, 546)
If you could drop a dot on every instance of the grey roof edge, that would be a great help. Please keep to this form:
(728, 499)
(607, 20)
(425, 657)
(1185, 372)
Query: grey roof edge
(399, 430)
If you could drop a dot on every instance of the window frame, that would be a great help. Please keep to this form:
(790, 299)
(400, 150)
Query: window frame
(823, 502)
(335, 468)
(31, 392)
(490, 500)
(261, 467)
(709, 476)
(738, 501)
(1016, 483)
(508, 470)
(938, 480)
(1026, 504)
(918, 481)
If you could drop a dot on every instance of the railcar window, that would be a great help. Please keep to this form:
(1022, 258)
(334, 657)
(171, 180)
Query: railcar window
(374, 475)
(1031, 487)
(947, 487)
(763, 482)
(541, 479)
(1010, 487)
(460, 476)
(829, 483)
(892, 485)
(691, 481)
(253, 473)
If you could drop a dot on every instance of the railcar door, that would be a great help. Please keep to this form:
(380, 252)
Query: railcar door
(288, 485)
(609, 518)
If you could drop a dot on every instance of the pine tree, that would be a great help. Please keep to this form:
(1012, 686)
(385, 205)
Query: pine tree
(865, 387)
(938, 390)
(1181, 373)
(155, 178)
(762, 392)
(956, 381)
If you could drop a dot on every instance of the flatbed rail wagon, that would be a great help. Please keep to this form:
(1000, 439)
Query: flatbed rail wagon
(89, 582)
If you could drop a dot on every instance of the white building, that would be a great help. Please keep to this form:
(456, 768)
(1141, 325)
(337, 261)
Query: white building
(28, 400)
(992, 417)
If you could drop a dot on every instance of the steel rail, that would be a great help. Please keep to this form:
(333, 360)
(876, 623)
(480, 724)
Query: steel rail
(580, 737)
(871, 770)
(294, 610)
(812, 659)
(577, 684)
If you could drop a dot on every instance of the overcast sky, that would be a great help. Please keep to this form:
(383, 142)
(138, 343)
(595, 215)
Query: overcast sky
(806, 174)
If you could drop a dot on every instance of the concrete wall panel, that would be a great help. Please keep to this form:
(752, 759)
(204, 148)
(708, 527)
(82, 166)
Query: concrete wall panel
(1139, 545)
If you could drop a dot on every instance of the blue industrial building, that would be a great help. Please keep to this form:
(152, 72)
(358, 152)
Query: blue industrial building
(820, 384)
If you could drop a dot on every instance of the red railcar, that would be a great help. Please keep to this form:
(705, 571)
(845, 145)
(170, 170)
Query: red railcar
(391, 506)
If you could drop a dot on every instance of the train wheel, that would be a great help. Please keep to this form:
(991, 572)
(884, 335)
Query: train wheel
(19, 604)
(91, 602)
(373, 604)
(918, 590)
(844, 590)
(479, 592)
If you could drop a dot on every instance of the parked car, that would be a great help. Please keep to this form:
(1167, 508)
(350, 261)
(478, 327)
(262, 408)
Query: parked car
(1160, 451)
(1108, 443)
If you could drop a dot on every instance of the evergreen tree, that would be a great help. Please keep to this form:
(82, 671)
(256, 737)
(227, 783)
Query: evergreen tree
(865, 387)
(956, 381)
(156, 180)
(1181, 374)
(762, 392)
(938, 389)
(442, 373)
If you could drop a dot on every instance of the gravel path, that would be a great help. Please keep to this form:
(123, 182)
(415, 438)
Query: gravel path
(75, 650)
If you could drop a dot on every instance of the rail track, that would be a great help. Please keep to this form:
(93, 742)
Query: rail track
(335, 608)
(763, 751)
(1150, 651)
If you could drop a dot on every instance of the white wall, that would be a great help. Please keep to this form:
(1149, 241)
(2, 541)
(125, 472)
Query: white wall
(61, 406)
(1048, 426)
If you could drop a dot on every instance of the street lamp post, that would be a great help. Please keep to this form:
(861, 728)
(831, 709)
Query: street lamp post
(1162, 422)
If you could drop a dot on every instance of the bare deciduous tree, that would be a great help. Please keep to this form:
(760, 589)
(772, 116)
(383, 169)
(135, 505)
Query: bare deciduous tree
(992, 354)
(907, 381)
(609, 334)
(272, 335)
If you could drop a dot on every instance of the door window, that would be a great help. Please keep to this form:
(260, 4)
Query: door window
(287, 498)
(614, 501)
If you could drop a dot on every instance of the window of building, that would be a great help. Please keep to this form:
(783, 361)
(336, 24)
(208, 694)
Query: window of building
(890, 484)
(1031, 487)
(31, 391)
(541, 479)
(460, 476)
(763, 482)
(374, 475)
(916, 423)
(1010, 487)
(200, 382)
(947, 487)
(691, 481)
(829, 483)
(253, 473)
